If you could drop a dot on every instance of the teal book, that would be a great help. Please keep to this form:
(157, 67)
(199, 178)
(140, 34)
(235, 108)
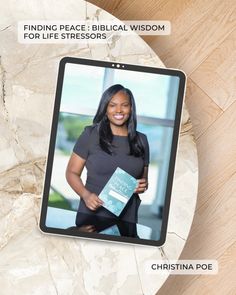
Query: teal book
(118, 190)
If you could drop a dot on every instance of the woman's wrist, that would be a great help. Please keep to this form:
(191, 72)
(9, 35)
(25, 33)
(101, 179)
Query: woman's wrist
(85, 194)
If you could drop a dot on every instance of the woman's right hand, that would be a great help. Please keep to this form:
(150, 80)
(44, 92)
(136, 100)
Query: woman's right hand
(92, 201)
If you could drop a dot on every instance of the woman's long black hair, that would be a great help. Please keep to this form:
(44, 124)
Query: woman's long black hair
(105, 133)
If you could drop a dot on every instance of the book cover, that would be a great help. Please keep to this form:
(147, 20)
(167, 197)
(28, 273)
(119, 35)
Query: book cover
(118, 191)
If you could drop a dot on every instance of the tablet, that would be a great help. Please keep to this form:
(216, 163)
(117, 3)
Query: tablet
(112, 151)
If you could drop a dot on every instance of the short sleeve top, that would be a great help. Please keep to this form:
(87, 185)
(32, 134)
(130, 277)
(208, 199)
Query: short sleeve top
(101, 165)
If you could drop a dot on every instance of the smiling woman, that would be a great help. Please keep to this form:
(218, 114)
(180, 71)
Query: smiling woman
(118, 111)
(111, 142)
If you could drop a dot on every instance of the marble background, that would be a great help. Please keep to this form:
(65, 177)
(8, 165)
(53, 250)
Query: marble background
(30, 261)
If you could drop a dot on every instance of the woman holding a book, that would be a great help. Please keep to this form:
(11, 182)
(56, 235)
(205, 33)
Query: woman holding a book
(111, 142)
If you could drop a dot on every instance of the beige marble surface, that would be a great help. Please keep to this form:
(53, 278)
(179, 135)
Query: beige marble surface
(34, 263)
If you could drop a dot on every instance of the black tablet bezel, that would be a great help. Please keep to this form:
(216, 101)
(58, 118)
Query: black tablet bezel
(177, 121)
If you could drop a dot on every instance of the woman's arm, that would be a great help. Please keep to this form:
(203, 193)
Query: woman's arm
(143, 182)
(73, 176)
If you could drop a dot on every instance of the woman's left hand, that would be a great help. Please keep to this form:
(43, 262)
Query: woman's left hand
(142, 186)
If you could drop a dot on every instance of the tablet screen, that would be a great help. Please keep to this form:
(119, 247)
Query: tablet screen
(112, 151)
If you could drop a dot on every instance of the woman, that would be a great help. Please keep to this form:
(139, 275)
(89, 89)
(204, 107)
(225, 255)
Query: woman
(112, 141)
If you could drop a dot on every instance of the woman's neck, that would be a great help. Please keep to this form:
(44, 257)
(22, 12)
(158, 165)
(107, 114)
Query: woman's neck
(119, 130)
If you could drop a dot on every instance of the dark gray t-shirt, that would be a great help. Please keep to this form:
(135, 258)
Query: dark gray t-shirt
(100, 165)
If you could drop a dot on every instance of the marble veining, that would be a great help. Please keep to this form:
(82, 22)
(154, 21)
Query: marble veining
(35, 263)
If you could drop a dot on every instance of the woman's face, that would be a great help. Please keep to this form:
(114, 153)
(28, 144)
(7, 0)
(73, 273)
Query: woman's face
(119, 109)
